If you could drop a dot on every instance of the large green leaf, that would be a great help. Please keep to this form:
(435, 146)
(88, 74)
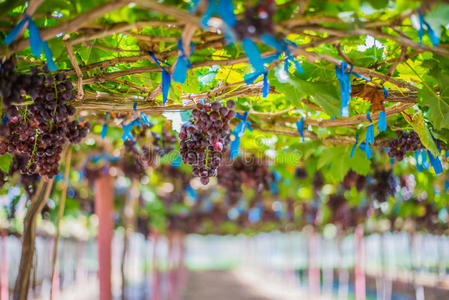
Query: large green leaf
(5, 162)
(325, 95)
(436, 97)
(438, 18)
(337, 162)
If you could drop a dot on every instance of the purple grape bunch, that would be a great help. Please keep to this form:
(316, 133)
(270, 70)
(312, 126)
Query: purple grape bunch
(135, 161)
(406, 141)
(38, 131)
(163, 143)
(257, 21)
(204, 138)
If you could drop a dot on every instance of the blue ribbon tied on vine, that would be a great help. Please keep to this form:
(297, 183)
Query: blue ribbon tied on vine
(166, 78)
(274, 184)
(369, 138)
(104, 128)
(421, 160)
(238, 133)
(345, 85)
(432, 35)
(36, 42)
(224, 9)
(137, 122)
(251, 77)
(283, 47)
(176, 163)
(300, 127)
(254, 57)
(382, 125)
(435, 161)
(191, 193)
(182, 64)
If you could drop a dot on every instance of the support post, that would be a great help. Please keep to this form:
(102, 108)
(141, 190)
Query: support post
(104, 199)
(360, 285)
(4, 270)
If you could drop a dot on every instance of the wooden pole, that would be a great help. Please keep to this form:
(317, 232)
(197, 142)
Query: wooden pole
(55, 283)
(4, 270)
(104, 199)
(314, 271)
(360, 285)
(29, 235)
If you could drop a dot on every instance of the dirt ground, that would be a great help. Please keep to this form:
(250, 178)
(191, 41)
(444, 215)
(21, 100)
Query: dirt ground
(218, 285)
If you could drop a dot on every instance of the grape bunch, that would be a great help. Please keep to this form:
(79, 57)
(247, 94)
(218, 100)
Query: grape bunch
(317, 181)
(257, 21)
(353, 179)
(230, 178)
(301, 173)
(39, 131)
(251, 172)
(204, 138)
(385, 184)
(406, 141)
(163, 144)
(134, 161)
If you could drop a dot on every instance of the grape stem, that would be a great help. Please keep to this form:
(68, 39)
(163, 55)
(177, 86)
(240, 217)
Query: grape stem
(36, 135)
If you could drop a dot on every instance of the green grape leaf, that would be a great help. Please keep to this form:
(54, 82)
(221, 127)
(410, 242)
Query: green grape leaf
(325, 95)
(5, 162)
(436, 98)
(378, 4)
(418, 124)
(438, 18)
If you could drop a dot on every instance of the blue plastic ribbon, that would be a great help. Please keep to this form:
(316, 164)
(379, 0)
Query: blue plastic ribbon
(177, 162)
(127, 129)
(252, 52)
(15, 31)
(143, 118)
(224, 9)
(345, 85)
(255, 214)
(36, 42)
(274, 184)
(382, 124)
(251, 77)
(271, 41)
(182, 64)
(300, 127)
(418, 164)
(385, 93)
(283, 47)
(35, 39)
(104, 128)
(435, 163)
(238, 132)
(49, 57)
(5, 120)
(166, 78)
(432, 35)
(424, 164)
(191, 192)
(369, 138)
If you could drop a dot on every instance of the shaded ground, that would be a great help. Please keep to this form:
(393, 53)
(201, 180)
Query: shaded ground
(218, 285)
